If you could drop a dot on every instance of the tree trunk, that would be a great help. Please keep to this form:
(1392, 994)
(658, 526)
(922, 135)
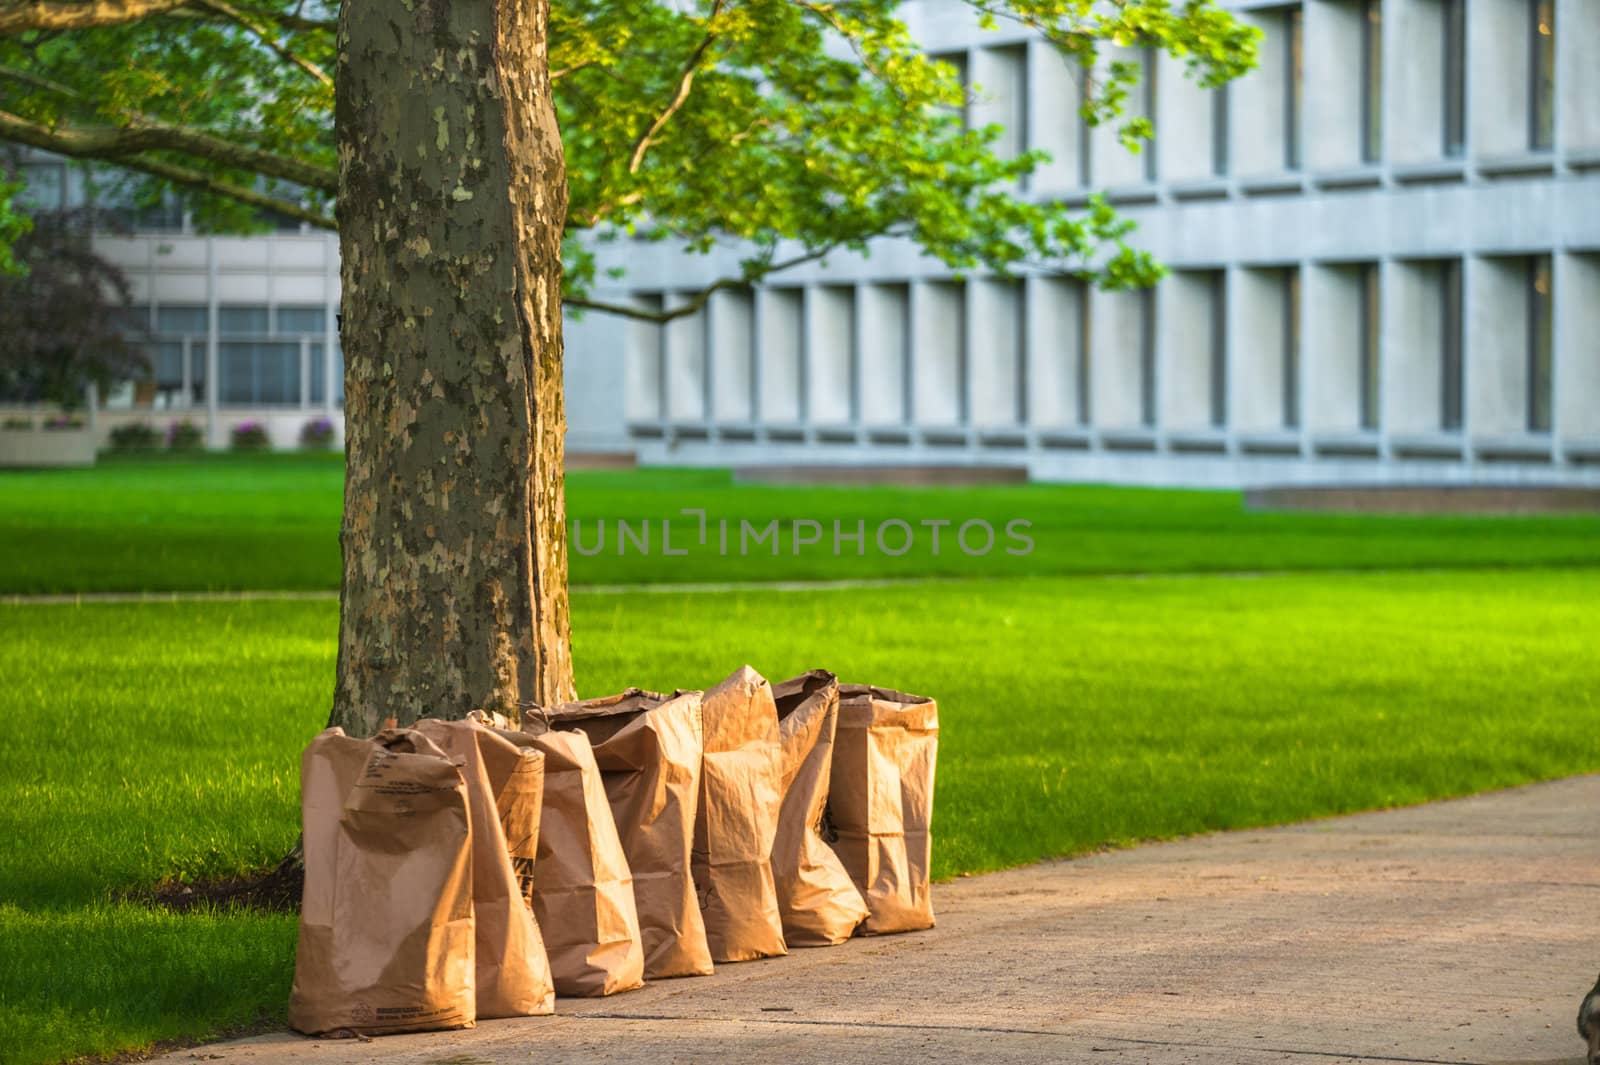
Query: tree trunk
(452, 200)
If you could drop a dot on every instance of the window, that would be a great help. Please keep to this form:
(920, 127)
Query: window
(1148, 69)
(1371, 80)
(1371, 339)
(1293, 88)
(1219, 349)
(1291, 348)
(265, 373)
(242, 321)
(1450, 360)
(1542, 84)
(302, 320)
(1540, 341)
(1455, 77)
(182, 331)
(44, 186)
(182, 320)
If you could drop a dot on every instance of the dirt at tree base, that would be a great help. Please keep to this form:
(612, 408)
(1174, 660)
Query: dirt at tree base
(276, 890)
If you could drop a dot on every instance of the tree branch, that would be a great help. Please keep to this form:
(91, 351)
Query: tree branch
(685, 83)
(144, 134)
(265, 35)
(16, 128)
(19, 16)
(701, 298)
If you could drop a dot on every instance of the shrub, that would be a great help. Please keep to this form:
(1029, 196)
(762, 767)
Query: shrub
(17, 421)
(317, 434)
(185, 436)
(251, 436)
(65, 421)
(135, 436)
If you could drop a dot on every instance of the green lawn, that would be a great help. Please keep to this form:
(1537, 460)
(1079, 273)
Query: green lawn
(155, 740)
(271, 522)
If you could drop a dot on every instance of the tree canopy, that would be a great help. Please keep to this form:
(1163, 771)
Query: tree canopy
(793, 127)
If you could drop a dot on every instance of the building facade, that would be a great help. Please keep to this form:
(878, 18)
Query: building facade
(1384, 247)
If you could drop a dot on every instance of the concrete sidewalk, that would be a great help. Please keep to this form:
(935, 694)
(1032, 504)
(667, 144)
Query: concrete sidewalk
(1457, 932)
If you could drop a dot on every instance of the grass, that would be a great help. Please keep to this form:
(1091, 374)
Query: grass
(157, 740)
(271, 522)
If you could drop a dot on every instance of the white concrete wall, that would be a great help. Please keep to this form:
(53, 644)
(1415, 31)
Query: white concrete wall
(1186, 335)
(1116, 339)
(1497, 317)
(884, 342)
(732, 337)
(686, 363)
(1333, 340)
(997, 345)
(999, 96)
(1110, 164)
(1259, 101)
(1055, 308)
(938, 310)
(1333, 57)
(1184, 119)
(1499, 50)
(1413, 315)
(1577, 354)
(1414, 80)
(1578, 73)
(830, 354)
(1256, 335)
(780, 317)
(1055, 124)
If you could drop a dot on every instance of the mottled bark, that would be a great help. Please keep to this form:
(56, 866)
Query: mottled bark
(452, 198)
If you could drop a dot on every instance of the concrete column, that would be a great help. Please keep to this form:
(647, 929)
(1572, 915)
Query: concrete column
(685, 363)
(1055, 310)
(1499, 57)
(780, 350)
(1414, 59)
(1577, 348)
(1578, 75)
(1255, 396)
(644, 379)
(1110, 163)
(1056, 92)
(999, 95)
(1187, 331)
(1260, 100)
(1498, 324)
(830, 354)
(885, 311)
(997, 352)
(1116, 346)
(1333, 111)
(1413, 338)
(939, 336)
(732, 329)
(1185, 124)
(1332, 337)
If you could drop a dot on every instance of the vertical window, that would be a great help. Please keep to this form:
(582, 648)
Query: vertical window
(1219, 349)
(1219, 131)
(1147, 357)
(1540, 338)
(1455, 77)
(1542, 87)
(1293, 88)
(1085, 409)
(1371, 339)
(1450, 360)
(1291, 348)
(1149, 69)
(1371, 80)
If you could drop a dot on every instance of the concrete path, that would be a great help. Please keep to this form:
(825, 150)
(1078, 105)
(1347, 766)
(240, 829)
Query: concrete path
(1464, 931)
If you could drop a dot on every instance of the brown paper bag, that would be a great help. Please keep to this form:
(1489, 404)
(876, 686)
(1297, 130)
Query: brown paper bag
(386, 929)
(649, 748)
(880, 801)
(582, 889)
(505, 786)
(741, 786)
(819, 903)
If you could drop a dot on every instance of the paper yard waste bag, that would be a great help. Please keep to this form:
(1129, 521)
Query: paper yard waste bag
(741, 789)
(505, 786)
(582, 888)
(880, 802)
(386, 929)
(819, 902)
(648, 747)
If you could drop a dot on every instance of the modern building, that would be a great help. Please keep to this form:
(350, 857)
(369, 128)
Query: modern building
(1384, 247)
